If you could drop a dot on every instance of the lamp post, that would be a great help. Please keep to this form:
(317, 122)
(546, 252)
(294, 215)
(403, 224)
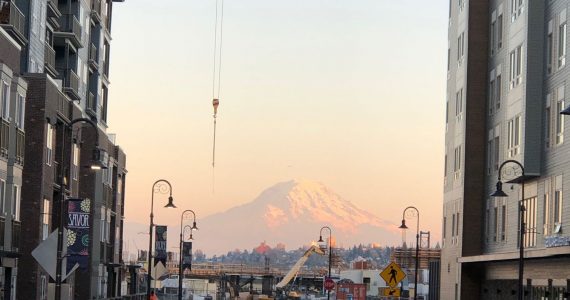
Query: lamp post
(403, 226)
(499, 193)
(330, 253)
(163, 187)
(95, 165)
(180, 269)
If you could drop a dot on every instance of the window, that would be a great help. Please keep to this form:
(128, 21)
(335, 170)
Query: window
(108, 226)
(514, 136)
(460, 47)
(546, 214)
(495, 222)
(458, 104)
(530, 222)
(448, 58)
(444, 227)
(490, 152)
(493, 35)
(5, 101)
(497, 150)
(457, 163)
(503, 221)
(498, 89)
(461, 5)
(515, 70)
(46, 213)
(492, 94)
(457, 225)
(562, 45)
(16, 195)
(500, 31)
(559, 116)
(43, 288)
(20, 111)
(557, 207)
(2, 196)
(49, 144)
(549, 49)
(453, 225)
(75, 165)
(487, 223)
(516, 9)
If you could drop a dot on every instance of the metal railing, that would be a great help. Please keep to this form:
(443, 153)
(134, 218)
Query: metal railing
(71, 81)
(49, 56)
(93, 59)
(16, 228)
(70, 24)
(4, 137)
(11, 15)
(20, 147)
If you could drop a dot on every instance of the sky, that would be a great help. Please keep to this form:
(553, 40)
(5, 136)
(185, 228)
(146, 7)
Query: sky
(347, 93)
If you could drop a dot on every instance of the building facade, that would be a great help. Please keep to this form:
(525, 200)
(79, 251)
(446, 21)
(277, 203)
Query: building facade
(13, 91)
(505, 90)
(54, 60)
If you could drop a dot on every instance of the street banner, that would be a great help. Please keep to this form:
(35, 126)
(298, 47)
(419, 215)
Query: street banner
(187, 255)
(160, 244)
(78, 212)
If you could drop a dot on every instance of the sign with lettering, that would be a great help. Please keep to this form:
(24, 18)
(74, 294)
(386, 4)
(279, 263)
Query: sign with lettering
(556, 241)
(187, 255)
(78, 213)
(160, 233)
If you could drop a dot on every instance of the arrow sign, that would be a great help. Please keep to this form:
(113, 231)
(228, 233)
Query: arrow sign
(46, 255)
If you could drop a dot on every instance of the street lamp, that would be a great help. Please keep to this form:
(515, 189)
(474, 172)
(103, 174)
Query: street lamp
(403, 226)
(330, 252)
(163, 187)
(499, 193)
(96, 164)
(180, 269)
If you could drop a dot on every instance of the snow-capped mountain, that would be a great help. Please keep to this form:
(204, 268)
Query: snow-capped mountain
(292, 213)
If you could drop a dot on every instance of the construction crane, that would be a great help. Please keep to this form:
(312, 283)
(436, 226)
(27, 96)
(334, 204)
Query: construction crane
(297, 267)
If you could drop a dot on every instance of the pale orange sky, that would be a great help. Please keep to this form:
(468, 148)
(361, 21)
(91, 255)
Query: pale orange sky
(348, 93)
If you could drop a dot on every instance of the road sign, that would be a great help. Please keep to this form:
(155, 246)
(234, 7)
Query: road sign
(393, 274)
(391, 292)
(329, 284)
(46, 255)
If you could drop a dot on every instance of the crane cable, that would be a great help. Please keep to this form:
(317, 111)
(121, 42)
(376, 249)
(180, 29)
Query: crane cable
(217, 68)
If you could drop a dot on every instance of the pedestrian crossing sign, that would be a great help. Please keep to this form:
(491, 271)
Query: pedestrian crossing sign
(392, 274)
(392, 292)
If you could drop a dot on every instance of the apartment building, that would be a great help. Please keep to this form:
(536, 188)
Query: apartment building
(13, 91)
(505, 90)
(58, 73)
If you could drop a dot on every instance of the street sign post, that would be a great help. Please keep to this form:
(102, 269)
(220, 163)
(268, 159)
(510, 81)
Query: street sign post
(329, 284)
(393, 274)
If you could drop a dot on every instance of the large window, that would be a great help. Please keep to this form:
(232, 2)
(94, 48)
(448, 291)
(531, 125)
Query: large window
(549, 48)
(515, 70)
(516, 9)
(546, 212)
(503, 230)
(2, 196)
(557, 213)
(16, 195)
(514, 136)
(559, 116)
(460, 48)
(46, 212)
(500, 31)
(457, 163)
(5, 100)
(20, 111)
(75, 166)
(562, 45)
(530, 222)
(49, 144)
(459, 104)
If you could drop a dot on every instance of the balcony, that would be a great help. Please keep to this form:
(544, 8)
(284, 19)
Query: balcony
(13, 21)
(20, 146)
(4, 138)
(90, 107)
(96, 11)
(71, 85)
(93, 59)
(49, 57)
(70, 29)
(53, 14)
(16, 229)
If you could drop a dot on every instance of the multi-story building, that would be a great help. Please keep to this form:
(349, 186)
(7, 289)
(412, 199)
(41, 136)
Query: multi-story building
(505, 90)
(54, 63)
(13, 91)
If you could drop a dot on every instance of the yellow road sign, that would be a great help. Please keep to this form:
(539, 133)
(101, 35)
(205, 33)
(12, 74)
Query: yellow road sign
(391, 292)
(393, 274)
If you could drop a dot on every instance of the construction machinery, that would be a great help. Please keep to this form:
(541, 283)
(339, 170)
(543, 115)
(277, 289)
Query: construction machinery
(295, 270)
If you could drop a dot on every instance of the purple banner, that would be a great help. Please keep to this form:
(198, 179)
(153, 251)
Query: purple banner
(78, 212)
(160, 244)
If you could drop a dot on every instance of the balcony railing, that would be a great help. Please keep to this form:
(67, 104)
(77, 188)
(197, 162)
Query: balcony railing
(71, 84)
(93, 59)
(16, 229)
(13, 19)
(71, 28)
(49, 57)
(4, 137)
(90, 106)
(20, 146)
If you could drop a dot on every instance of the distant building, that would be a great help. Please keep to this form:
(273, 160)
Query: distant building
(506, 87)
